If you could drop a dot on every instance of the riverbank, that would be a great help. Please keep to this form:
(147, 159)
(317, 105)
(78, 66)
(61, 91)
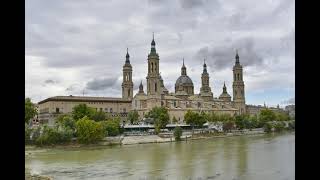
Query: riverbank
(130, 140)
(29, 176)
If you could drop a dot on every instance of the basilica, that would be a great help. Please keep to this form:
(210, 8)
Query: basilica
(178, 102)
(183, 98)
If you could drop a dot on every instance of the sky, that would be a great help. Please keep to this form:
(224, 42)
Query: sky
(78, 47)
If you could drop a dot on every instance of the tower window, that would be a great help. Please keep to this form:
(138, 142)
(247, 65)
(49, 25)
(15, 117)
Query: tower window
(234, 77)
(238, 77)
(128, 92)
(151, 67)
(155, 87)
(57, 110)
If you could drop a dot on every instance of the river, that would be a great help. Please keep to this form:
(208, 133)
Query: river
(258, 157)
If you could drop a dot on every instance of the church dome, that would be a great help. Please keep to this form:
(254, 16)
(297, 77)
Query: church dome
(184, 80)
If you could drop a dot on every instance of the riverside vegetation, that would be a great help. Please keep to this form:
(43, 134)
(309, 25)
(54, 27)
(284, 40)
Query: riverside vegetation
(89, 126)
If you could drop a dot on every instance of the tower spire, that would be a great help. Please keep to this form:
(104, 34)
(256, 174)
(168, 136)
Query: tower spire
(127, 57)
(183, 68)
(237, 57)
(204, 66)
(224, 87)
(153, 44)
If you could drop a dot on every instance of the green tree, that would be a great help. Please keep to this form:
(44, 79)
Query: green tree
(89, 131)
(281, 116)
(66, 121)
(177, 132)
(174, 120)
(111, 127)
(27, 133)
(52, 136)
(190, 117)
(267, 127)
(98, 116)
(279, 126)
(29, 110)
(133, 116)
(81, 111)
(267, 115)
(160, 116)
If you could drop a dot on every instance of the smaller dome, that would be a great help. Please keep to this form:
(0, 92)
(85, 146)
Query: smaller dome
(224, 95)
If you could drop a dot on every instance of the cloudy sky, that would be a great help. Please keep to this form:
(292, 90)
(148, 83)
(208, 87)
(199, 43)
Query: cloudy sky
(78, 46)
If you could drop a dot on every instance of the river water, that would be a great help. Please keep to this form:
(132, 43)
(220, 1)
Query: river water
(259, 157)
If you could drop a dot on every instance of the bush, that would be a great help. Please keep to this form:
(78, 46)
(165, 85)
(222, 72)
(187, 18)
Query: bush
(51, 136)
(268, 127)
(177, 133)
(228, 126)
(98, 116)
(291, 125)
(66, 121)
(279, 126)
(27, 133)
(89, 131)
(111, 127)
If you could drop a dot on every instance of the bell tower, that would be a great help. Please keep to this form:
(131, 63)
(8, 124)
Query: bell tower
(238, 86)
(205, 90)
(153, 77)
(127, 84)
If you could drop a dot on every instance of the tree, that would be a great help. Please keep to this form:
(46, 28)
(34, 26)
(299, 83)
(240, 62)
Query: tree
(27, 133)
(66, 121)
(267, 115)
(177, 132)
(133, 116)
(267, 127)
(98, 116)
(174, 120)
(81, 111)
(282, 116)
(160, 116)
(89, 131)
(111, 127)
(29, 110)
(190, 118)
(279, 126)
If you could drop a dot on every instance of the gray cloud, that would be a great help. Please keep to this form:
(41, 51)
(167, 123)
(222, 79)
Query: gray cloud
(50, 81)
(82, 42)
(223, 56)
(101, 84)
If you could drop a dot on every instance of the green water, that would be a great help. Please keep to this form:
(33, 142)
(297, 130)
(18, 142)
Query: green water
(261, 157)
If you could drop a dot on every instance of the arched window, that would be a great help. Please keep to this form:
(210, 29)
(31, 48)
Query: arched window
(151, 67)
(234, 77)
(128, 92)
(235, 93)
(155, 87)
(238, 77)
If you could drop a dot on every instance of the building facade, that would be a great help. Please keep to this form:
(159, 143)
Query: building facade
(184, 98)
(178, 102)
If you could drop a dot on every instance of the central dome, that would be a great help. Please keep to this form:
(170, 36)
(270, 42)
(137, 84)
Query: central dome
(184, 80)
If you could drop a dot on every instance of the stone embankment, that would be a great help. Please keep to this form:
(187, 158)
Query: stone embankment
(29, 176)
